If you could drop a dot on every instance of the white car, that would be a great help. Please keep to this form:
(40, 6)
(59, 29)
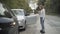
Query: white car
(20, 14)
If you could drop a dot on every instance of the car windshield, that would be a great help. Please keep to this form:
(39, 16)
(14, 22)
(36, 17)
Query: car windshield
(3, 11)
(18, 12)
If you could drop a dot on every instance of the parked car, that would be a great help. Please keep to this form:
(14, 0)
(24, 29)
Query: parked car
(20, 14)
(8, 21)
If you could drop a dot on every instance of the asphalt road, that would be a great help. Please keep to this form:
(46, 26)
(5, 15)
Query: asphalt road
(52, 25)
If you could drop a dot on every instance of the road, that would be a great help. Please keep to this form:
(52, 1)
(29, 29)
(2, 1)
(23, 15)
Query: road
(52, 25)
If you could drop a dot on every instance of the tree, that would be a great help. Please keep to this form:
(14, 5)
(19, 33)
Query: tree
(53, 6)
(13, 4)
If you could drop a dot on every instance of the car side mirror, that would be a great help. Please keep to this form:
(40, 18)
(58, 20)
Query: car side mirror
(27, 14)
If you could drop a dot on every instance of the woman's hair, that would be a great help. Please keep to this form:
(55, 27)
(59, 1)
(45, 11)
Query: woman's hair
(38, 8)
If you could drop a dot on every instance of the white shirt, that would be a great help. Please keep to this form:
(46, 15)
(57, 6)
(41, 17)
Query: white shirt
(42, 13)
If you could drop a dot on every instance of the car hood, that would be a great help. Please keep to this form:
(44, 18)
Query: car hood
(20, 17)
(5, 20)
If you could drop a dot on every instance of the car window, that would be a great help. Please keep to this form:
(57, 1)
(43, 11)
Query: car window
(4, 12)
(18, 12)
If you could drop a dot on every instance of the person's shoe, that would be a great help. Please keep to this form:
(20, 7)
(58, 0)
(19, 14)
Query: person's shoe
(42, 31)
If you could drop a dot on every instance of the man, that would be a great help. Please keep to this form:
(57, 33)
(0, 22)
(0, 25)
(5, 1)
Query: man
(42, 17)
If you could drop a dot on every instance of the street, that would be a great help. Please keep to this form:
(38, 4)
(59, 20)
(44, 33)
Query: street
(52, 25)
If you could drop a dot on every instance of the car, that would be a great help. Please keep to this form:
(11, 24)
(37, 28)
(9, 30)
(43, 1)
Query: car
(8, 21)
(21, 17)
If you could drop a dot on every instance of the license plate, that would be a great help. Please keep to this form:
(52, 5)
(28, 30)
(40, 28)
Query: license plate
(0, 28)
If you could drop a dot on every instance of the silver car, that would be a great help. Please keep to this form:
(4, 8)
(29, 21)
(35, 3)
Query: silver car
(19, 13)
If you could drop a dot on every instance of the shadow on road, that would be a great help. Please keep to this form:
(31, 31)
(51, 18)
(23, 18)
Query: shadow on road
(42, 33)
(21, 30)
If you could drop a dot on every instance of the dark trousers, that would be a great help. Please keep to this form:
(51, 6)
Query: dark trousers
(42, 23)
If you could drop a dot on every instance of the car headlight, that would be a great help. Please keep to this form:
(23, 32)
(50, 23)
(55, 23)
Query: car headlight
(13, 24)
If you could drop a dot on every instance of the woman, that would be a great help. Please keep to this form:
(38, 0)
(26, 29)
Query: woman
(42, 17)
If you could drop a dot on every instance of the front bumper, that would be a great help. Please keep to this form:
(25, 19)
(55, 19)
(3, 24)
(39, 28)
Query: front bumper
(22, 25)
(7, 30)
(4, 31)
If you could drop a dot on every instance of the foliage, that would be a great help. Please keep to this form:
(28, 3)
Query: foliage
(16, 4)
(53, 6)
